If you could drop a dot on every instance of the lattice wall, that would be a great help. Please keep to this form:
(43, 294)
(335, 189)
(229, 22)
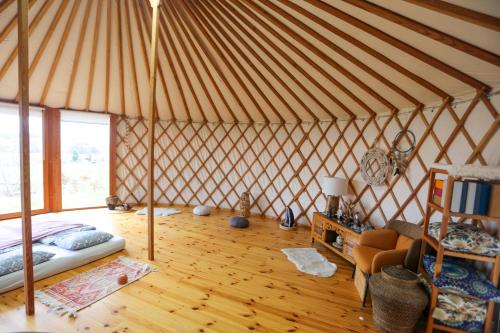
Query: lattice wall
(282, 164)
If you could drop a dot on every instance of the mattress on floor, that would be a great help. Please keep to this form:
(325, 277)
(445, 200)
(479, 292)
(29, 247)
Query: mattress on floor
(63, 260)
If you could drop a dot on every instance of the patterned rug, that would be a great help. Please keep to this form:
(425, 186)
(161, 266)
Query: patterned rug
(72, 295)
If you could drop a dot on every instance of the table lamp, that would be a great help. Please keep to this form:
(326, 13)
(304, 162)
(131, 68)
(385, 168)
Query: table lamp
(333, 188)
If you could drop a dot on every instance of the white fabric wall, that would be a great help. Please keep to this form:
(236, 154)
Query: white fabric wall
(283, 165)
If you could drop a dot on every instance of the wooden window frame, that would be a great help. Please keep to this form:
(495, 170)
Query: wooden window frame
(52, 172)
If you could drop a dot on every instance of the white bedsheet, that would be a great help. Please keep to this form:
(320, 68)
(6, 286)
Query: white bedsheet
(63, 260)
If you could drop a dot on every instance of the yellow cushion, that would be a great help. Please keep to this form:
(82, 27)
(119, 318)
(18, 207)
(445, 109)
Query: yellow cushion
(363, 255)
(403, 242)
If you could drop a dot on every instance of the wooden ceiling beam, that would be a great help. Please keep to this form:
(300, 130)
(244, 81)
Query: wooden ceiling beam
(236, 16)
(206, 50)
(45, 41)
(76, 58)
(12, 23)
(176, 57)
(109, 25)
(226, 41)
(394, 42)
(167, 10)
(121, 75)
(141, 25)
(90, 81)
(213, 46)
(341, 69)
(427, 31)
(461, 13)
(348, 56)
(131, 54)
(170, 61)
(304, 56)
(204, 64)
(379, 56)
(59, 51)
(33, 24)
(5, 4)
(211, 10)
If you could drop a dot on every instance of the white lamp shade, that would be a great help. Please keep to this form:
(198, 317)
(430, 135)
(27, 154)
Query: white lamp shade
(334, 186)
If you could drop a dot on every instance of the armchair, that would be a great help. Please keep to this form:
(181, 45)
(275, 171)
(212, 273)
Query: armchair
(397, 244)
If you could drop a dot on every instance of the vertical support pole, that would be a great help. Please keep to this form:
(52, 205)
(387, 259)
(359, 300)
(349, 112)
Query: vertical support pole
(151, 125)
(113, 122)
(23, 66)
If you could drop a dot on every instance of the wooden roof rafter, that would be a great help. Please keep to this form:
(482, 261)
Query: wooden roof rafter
(464, 14)
(212, 11)
(427, 31)
(420, 55)
(195, 47)
(204, 47)
(229, 43)
(334, 64)
(225, 60)
(142, 17)
(362, 46)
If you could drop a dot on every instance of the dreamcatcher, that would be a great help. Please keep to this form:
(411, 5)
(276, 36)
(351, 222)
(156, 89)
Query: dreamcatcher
(399, 154)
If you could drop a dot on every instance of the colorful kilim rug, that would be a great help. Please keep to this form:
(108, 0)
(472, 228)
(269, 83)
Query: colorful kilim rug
(72, 295)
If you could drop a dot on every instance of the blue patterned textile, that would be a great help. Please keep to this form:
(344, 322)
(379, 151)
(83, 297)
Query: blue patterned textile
(83, 239)
(460, 277)
(13, 263)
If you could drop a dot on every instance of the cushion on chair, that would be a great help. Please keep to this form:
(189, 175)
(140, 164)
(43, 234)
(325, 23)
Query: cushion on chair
(363, 255)
(238, 222)
(383, 239)
(403, 242)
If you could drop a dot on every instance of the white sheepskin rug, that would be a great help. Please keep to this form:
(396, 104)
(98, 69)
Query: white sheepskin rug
(310, 261)
(159, 211)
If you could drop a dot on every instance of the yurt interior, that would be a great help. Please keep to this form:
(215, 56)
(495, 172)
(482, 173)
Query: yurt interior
(249, 165)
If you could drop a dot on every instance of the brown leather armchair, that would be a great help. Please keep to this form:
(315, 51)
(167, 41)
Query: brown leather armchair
(397, 244)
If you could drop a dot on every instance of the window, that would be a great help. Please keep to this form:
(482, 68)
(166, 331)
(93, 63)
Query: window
(10, 185)
(84, 159)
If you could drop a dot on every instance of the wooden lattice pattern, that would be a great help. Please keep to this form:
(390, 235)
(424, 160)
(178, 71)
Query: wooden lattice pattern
(283, 164)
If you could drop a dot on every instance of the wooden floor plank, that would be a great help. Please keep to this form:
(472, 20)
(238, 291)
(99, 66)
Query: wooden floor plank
(210, 278)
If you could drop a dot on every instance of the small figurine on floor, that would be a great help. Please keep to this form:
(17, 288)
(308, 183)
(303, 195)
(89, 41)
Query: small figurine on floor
(289, 222)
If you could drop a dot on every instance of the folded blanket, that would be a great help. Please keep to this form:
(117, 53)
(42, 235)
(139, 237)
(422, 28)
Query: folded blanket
(42, 226)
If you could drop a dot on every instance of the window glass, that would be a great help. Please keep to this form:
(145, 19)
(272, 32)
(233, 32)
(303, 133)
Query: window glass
(10, 185)
(84, 159)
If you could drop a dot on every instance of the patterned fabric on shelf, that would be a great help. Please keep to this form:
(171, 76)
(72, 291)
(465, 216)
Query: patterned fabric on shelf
(460, 312)
(466, 238)
(458, 276)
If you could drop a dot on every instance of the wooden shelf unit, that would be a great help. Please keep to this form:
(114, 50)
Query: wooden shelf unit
(441, 251)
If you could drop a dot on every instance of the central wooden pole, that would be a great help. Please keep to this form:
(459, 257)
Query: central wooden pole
(151, 127)
(23, 65)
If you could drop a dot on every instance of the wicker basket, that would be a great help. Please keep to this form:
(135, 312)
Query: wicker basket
(397, 298)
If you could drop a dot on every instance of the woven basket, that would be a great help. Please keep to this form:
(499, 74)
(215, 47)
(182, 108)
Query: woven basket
(397, 298)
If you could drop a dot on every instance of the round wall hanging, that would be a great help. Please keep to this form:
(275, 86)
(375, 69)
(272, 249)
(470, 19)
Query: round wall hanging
(375, 166)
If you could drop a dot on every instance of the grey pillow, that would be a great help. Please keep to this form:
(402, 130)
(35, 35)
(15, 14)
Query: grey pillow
(83, 239)
(48, 240)
(14, 263)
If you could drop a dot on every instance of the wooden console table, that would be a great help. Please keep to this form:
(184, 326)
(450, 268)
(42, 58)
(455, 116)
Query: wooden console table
(325, 231)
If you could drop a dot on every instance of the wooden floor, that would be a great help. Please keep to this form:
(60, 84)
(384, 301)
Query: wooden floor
(211, 278)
